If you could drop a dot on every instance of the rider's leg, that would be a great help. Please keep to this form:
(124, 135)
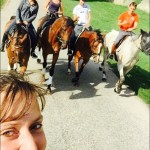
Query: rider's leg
(5, 36)
(33, 37)
(3, 42)
(119, 37)
(71, 43)
(40, 24)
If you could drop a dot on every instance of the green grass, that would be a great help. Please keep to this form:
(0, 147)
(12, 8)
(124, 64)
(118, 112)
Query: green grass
(104, 17)
(2, 2)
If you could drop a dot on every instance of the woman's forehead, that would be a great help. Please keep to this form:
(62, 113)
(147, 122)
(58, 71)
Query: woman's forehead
(20, 104)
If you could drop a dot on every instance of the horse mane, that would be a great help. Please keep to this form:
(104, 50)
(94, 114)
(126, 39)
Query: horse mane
(99, 34)
(70, 22)
(55, 29)
(57, 26)
(21, 29)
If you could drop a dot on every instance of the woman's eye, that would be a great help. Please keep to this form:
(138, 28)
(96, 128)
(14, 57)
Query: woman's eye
(9, 133)
(36, 126)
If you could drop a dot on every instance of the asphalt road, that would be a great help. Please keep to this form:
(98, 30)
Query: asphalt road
(91, 116)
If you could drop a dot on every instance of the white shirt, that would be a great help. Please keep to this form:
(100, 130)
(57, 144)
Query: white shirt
(82, 13)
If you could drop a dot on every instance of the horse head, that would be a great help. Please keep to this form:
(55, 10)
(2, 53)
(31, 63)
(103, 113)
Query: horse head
(96, 44)
(17, 42)
(65, 31)
(145, 42)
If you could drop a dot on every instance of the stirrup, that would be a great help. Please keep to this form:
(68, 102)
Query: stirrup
(69, 52)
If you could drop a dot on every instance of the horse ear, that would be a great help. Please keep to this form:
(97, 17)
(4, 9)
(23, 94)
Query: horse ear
(10, 38)
(63, 17)
(142, 31)
(103, 35)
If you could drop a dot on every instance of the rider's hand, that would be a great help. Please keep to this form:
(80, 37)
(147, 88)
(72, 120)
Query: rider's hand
(124, 22)
(25, 22)
(130, 29)
(18, 22)
(87, 25)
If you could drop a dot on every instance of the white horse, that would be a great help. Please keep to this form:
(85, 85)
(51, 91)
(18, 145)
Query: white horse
(127, 53)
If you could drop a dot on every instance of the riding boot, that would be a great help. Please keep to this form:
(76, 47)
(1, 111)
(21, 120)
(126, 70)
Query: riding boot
(113, 50)
(38, 33)
(33, 55)
(2, 46)
(70, 47)
(69, 52)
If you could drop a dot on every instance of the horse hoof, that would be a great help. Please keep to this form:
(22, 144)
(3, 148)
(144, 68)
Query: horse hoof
(76, 84)
(69, 72)
(117, 91)
(100, 69)
(74, 79)
(49, 89)
(104, 79)
(38, 61)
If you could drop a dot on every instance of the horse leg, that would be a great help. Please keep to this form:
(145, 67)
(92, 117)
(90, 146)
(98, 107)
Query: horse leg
(51, 71)
(102, 64)
(82, 66)
(119, 83)
(128, 68)
(39, 53)
(69, 63)
(75, 80)
(44, 66)
(102, 68)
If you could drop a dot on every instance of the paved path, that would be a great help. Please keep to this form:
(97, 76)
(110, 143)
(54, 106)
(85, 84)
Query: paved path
(91, 116)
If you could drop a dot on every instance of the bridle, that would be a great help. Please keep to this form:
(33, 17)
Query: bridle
(17, 41)
(17, 45)
(99, 52)
(61, 31)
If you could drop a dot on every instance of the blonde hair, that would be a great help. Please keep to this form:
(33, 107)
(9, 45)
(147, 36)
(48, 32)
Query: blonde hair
(11, 85)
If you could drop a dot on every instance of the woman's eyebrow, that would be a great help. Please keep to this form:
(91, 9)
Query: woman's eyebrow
(17, 122)
(39, 118)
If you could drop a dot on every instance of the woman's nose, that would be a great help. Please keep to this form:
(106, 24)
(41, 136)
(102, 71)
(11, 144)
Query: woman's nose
(28, 142)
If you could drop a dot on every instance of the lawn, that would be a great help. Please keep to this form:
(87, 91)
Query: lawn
(2, 2)
(104, 17)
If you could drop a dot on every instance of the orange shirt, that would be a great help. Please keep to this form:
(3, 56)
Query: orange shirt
(131, 19)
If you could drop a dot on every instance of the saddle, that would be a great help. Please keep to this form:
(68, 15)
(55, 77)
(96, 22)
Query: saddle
(117, 46)
(51, 18)
(121, 41)
(72, 45)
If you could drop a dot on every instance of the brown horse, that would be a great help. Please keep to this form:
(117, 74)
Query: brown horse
(52, 40)
(90, 43)
(18, 48)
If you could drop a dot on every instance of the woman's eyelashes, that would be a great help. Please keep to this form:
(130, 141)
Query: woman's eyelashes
(36, 126)
(9, 133)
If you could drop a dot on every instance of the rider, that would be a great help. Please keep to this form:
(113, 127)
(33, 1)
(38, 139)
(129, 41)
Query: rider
(53, 8)
(81, 14)
(127, 21)
(25, 14)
